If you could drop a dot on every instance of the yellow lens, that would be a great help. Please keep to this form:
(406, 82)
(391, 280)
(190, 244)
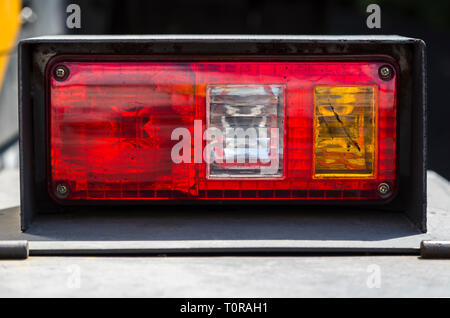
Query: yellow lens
(345, 131)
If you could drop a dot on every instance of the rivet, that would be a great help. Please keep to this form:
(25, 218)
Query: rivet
(386, 72)
(62, 190)
(384, 189)
(61, 72)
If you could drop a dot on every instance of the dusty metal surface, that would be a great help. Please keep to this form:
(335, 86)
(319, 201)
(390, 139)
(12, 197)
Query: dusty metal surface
(382, 276)
(270, 276)
(171, 232)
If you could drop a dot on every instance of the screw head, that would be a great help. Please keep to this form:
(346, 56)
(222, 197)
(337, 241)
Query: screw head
(61, 73)
(62, 190)
(386, 72)
(384, 189)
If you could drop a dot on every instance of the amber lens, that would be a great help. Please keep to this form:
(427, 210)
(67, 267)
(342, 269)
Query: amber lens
(345, 128)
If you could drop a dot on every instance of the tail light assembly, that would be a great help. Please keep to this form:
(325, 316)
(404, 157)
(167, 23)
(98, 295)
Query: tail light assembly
(219, 120)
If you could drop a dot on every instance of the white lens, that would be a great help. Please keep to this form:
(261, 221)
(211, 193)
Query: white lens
(247, 116)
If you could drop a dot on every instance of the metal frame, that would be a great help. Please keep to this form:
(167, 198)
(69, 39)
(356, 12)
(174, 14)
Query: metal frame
(408, 54)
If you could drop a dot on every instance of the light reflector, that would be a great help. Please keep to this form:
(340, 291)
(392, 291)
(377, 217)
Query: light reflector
(111, 126)
(345, 128)
(250, 122)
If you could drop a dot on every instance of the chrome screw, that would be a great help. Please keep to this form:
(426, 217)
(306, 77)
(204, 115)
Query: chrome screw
(62, 190)
(61, 72)
(385, 72)
(384, 188)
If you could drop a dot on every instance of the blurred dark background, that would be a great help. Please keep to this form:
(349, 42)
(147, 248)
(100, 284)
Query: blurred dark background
(427, 20)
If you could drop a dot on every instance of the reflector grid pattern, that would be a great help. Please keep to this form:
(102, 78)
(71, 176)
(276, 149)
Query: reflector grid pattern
(111, 126)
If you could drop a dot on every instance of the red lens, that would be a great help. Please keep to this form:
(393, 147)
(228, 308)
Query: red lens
(112, 125)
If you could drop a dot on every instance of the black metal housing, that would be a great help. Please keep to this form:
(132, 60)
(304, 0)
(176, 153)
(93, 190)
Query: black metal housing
(408, 56)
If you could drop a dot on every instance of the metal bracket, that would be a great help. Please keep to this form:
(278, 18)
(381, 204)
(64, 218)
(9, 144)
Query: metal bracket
(14, 250)
(435, 249)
